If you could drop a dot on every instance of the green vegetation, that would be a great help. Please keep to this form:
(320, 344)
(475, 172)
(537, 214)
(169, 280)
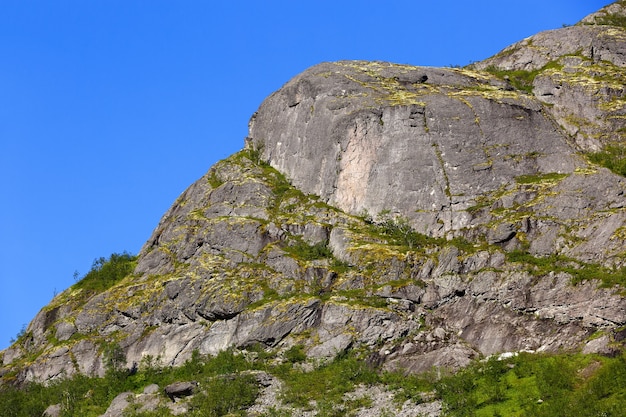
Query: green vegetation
(325, 385)
(214, 179)
(532, 385)
(539, 178)
(612, 157)
(105, 273)
(89, 397)
(612, 19)
(526, 385)
(580, 271)
(223, 396)
(396, 231)
(521, 79)
(308, 252)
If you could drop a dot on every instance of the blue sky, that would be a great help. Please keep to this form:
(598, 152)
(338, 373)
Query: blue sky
(110, 109)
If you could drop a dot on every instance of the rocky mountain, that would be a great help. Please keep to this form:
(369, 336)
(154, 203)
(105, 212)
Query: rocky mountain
(425, 216)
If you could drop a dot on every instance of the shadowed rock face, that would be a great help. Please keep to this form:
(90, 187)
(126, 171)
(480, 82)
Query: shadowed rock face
(300, 238)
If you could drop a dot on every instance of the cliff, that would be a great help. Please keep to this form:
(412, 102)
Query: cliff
(427, 216)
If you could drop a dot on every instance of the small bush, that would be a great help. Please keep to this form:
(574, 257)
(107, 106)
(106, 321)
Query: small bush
(105, 273)
(520, 79)
(327, 383)
(308, 252)
(579, 271)
(295, 354)
(399, 232)
(227, 395)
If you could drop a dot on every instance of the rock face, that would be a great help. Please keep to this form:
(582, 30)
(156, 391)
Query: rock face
(436, 146)
(421, 142)
(430, 216)
(579, 75)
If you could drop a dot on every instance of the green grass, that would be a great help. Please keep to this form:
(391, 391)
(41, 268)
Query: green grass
(214, 180)
(534, 385)
(612, 157)
(612, 20)
(539, 178)
(327, 383)
(307, 252)
(223, 396)
(521, 79)
(580, 271)
(396, 231)
(528, 385)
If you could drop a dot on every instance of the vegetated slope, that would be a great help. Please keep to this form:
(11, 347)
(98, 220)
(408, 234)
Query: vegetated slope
(419, 218)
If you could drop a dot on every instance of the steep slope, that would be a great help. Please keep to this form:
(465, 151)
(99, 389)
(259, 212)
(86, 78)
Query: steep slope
(578, 72)
(459, 153)
(424, 217)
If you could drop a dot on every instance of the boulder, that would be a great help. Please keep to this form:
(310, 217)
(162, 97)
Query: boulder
(180, 389)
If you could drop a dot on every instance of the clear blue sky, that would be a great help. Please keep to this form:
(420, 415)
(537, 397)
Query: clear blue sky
(109, 109)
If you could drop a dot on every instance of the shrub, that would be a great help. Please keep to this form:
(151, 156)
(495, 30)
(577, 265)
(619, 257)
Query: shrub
(227, 395)
(105, 273)
(399, 232)
(328, 382)
(295, 354)
(612, 19)
(308, 252)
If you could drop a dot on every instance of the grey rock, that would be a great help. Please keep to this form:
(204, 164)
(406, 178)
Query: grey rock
(360, 159)
(383, 403)
(451, 356)
(53, 411)
(589, 51)
(11, 354)
(65, 330)
(331, 347)
(151, 389)
(502, 233)
(119, 404)
(599, 346)
(180, 389)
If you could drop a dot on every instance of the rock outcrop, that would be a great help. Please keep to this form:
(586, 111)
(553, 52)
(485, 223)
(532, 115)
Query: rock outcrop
(430, 216)
(457, 152)
(578, 73)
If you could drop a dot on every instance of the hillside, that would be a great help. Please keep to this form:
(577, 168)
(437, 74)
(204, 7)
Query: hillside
(394, 224)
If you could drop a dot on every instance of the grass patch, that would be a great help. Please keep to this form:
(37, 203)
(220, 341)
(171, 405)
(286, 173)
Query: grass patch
(612, 157)
(396, 231)
(521, 79)
(533, 385)
(611, 19)
(539, 178)
(222, 396)
(105, 272)
(214, 180)
(579, 271)
(327, 383)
